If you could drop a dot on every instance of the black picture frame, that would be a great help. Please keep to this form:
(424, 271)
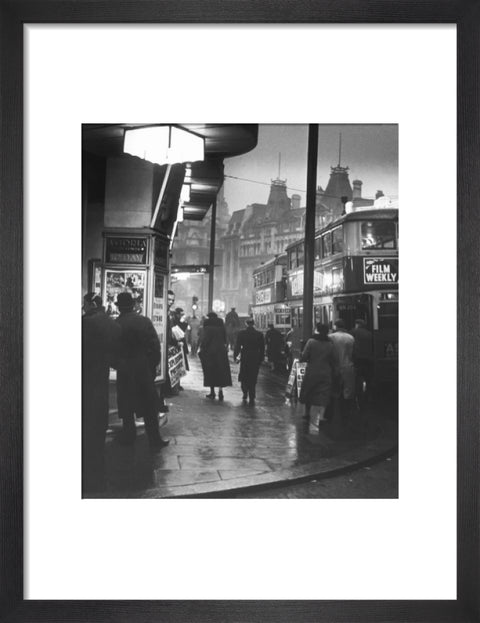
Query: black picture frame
(466, 14)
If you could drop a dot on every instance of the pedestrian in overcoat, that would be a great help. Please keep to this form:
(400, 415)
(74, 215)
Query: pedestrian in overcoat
(213, 355)
(275, 347)
(139, 354)
(251, 348)
(100, 336)
(322, 366)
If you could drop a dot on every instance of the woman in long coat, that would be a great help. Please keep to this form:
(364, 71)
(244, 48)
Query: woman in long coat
(213, 355)
(316, 390)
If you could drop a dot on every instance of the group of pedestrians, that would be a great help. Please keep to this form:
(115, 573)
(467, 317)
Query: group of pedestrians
(339, 370)
(131, 345)
(214, 344)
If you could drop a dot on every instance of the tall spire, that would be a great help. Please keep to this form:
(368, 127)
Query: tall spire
(340, 149)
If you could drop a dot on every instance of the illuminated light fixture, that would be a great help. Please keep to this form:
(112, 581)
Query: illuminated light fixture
(185, 193)
(180, 214)
(164, 144)
(188, 174)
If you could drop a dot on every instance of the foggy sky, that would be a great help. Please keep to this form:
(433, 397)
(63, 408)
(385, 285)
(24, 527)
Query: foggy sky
(370, 151)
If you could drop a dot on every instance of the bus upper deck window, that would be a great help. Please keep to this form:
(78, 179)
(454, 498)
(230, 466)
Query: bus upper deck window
(337, 240)
(378, 235)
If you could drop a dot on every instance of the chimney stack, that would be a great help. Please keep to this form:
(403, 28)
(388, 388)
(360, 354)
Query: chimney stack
(357, 189)
(296, 202)
(378, 194)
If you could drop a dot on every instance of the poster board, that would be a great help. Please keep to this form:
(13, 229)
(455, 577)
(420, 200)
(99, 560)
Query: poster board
(290, 391)
(176, 364)
(159, 319)
(124, 280)
(301, 367)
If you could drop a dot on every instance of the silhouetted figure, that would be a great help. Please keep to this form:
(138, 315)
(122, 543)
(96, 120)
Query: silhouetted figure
(213, 355)
(139, 354)
(343, 342)
(232, 327)
(275, 348)
(316, 390)
(251, 348)
(193, 334)
(289, 349)
(100, 338)
(362, 361)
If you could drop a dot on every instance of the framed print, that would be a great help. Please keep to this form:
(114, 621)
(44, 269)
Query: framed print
(207, 560)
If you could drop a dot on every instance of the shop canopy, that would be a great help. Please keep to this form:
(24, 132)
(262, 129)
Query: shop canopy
(221, 141)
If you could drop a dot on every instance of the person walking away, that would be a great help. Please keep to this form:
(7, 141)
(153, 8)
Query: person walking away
(100, 336)
(194, 324)
(232, 327)
(214, 355)
(316, 391)
(289, 349)
(250, 347)
(343, 342)
(138, 356)
(274, 348)
(363, 361)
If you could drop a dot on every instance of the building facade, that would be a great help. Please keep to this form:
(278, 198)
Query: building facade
(253, 235)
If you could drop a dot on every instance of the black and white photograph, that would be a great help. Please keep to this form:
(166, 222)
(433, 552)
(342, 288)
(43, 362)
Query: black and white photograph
(240, 306)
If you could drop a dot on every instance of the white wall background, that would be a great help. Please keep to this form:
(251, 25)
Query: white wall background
(255, 549)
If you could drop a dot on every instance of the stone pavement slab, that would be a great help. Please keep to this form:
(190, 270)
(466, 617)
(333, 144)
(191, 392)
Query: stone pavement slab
(216, 447)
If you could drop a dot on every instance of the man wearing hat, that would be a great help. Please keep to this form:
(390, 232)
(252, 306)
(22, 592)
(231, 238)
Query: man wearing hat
(251, 348)
(100, 336)
(139, 354)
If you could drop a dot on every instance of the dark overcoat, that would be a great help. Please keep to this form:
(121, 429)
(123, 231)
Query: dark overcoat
(213, 354)
(100, 338)
(100, 335)
(139, 354)
(274, 343)
(251, 348)
(321, 367)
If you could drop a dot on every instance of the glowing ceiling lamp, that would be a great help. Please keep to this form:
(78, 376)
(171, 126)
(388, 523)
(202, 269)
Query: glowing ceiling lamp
(164, 144)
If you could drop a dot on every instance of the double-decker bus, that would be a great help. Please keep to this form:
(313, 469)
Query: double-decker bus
(355, 276)
(269, 291)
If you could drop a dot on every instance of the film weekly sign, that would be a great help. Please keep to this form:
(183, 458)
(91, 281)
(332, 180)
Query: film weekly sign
(378, 270)
(122, 250)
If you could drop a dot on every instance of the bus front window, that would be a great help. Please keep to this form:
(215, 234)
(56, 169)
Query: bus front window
(378, 235)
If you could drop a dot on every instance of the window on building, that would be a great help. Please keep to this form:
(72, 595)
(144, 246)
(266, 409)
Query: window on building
(327, 244)
(300, 254)
(378, 235)
(318, 248)
(292, 259)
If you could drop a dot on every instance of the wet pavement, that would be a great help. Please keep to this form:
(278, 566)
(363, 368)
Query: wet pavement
(219, 447)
